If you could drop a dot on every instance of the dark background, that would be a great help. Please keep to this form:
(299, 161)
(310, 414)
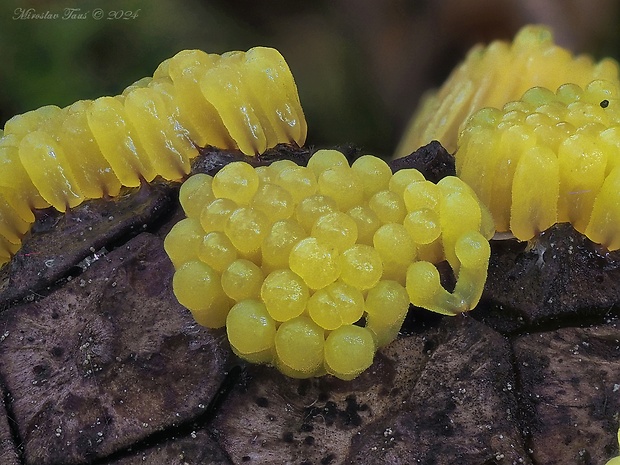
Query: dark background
(360, 65)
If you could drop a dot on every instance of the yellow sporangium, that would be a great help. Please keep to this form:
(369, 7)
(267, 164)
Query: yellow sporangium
(311, 269)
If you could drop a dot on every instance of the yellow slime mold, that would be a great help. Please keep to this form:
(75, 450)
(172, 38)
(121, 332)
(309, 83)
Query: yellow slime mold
(553, 160)
(63, 156)
(493, 75)
(309, 258)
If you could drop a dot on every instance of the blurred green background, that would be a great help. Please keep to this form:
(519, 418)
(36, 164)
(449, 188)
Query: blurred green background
(360, 65)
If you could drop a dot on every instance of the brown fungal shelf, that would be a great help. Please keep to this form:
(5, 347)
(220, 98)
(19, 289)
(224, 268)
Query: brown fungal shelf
(99, 363)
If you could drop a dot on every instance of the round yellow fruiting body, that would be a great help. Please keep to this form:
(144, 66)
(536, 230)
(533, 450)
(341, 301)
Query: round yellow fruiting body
(237, 181)
(336, 228)
(194, 193)
(216, 250)
(246, 228)
(349, 350)
(310, 209)
(386, 307)
(285, 294)
(335, 305)
(251, 331)
(554, 160)
(242, 280)
(374, 173)
(275, 202)
(318, 264)
(197, 286)
(185, 241)
(279, 241)
(299, 345)
(323, 261)
(361, 266)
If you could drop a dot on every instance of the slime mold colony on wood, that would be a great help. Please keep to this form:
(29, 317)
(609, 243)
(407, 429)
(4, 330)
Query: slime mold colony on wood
(312, 268)
(306, 256)
(318, 263)
(63, 156)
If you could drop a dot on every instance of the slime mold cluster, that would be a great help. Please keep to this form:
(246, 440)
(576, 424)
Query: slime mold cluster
(60, 157)
(539, 149)
(313, 268)
(493, 75)
(550, 157)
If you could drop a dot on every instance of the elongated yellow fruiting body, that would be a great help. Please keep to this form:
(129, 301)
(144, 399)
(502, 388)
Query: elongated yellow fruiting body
(63, 156)
(386, 308)
(12, 226)
(582, 172)
(472, 251)
(536, 209)
(536, 133)
(44, 161)
(424, 289)
(119, 141)
(282, 108)
(604, 225)
(20, 125)
(223, 88)
(93, 174)
(330, 256)
(200, 117)
(168, 149)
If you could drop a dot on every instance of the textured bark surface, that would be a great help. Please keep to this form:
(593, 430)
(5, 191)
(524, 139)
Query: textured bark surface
(561, 278)
(8, 447)
(107, 360)
(99, 363)
(570, 388)
(63, 245)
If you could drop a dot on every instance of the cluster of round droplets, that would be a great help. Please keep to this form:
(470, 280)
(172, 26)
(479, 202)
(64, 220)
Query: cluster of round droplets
(493, 75)
(63, 156)
(549, 158)
(312, 268)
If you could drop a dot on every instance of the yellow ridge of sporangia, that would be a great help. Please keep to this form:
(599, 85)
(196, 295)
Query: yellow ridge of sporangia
(61, 157)
(549, 157)
(494, 74)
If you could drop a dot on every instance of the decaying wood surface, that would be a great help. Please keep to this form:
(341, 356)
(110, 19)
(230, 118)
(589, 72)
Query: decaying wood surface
(99, 363)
